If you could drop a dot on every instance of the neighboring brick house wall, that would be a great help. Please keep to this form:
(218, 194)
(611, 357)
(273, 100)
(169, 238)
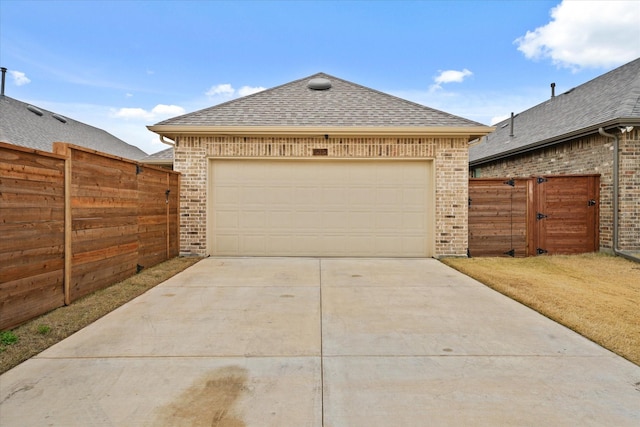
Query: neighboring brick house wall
(450, 163)
(588, 155)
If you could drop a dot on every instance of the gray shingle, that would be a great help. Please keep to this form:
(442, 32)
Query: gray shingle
(611, 98)
(19, 126)
(345, 104)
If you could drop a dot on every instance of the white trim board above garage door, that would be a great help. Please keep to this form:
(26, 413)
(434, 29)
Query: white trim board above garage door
(285, 207)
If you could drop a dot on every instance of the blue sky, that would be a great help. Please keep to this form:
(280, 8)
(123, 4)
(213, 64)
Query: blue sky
(122, 65)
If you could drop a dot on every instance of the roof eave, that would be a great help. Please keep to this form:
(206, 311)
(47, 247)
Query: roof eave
(470, 132)
(624, 121)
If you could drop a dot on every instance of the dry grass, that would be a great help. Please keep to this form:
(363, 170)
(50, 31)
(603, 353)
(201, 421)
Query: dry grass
(595, 295)
(44, 331)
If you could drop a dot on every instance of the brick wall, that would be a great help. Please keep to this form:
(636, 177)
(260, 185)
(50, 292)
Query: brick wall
(588, 155)
(451, 164)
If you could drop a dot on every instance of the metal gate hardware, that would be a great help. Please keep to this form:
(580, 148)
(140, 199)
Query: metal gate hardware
(591, 202)
(540, 180)
(540, 216)
(541, 251)
(511, 253)
(510, 182)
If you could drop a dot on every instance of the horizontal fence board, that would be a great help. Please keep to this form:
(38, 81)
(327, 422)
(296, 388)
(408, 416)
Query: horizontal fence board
(24, 299)
(99, 274)
(118, 218)
(31, 233)
(498, 217)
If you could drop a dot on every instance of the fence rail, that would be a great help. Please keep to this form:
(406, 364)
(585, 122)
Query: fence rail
(75, 221)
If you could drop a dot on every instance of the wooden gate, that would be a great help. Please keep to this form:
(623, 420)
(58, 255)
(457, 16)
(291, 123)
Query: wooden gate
(532, 216)
(567, 212)
(498, 217)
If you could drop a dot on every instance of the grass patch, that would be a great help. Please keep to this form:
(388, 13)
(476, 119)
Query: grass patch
(596, 295)
(40, 333)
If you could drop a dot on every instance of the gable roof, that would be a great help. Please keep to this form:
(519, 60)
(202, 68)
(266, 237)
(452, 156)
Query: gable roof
(345, 107)
(612, 99)
(164, 157)
(20, 125)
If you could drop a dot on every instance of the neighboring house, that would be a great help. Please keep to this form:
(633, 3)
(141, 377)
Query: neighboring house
(322, 167)
(591, 129)
(162, 158)
(29, 126)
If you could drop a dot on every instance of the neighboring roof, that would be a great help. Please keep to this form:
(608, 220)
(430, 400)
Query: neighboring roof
(294, 107)
(19, 125)
(612, 99)
(164, 157)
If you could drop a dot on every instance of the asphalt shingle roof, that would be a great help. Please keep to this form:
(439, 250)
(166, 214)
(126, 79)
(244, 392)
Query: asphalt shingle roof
(345, 104)
(20, 126)
(164, 156)
(612, 98)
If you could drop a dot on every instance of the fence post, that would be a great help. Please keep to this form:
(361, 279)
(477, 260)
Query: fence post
(63, 149)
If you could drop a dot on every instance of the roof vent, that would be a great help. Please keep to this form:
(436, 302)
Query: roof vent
(35, 110)
(319, 83)
(59, 118)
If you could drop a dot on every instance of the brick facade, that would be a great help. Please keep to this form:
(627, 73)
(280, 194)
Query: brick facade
(588, 155)
(450, 157)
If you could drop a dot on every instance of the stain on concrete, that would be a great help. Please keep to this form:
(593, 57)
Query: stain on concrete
(209, 401)
(287, 296)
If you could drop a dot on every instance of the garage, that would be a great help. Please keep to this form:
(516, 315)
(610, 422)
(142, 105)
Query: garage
(322, 166)
(320, 207)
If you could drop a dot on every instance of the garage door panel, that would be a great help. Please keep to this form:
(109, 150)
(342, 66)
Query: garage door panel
(320, 208)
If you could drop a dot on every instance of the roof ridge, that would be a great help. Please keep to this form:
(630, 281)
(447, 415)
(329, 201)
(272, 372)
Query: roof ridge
(343, 104)
(397, 98)
(241, 98)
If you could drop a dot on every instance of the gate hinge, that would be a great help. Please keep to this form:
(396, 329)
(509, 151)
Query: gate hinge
(139, 268)
(469, 201)
(138, 169)
(540, 216)
(468, 253)
(591, 202)
(166, 195)
(510, 182)
(541, 251)
(511, 253)
(540, 180)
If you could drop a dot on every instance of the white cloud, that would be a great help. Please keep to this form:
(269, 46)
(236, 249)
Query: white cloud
(19, 78)
(160, 111)
(226, 91)
(498, 119)
(449, 76)
(222, 89)
(248, 90)
(452, 76)
(586, 34)
(132, 113)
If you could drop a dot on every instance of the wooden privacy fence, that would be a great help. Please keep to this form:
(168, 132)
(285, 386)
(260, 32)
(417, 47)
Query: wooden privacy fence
(522, 217)
(75, 221)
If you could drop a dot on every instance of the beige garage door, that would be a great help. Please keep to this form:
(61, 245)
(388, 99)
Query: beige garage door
(320, 208)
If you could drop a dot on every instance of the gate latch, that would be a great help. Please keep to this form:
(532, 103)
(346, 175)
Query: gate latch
(591, 202)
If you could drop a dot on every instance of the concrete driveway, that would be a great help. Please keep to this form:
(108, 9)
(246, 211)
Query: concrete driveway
(236, 342)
